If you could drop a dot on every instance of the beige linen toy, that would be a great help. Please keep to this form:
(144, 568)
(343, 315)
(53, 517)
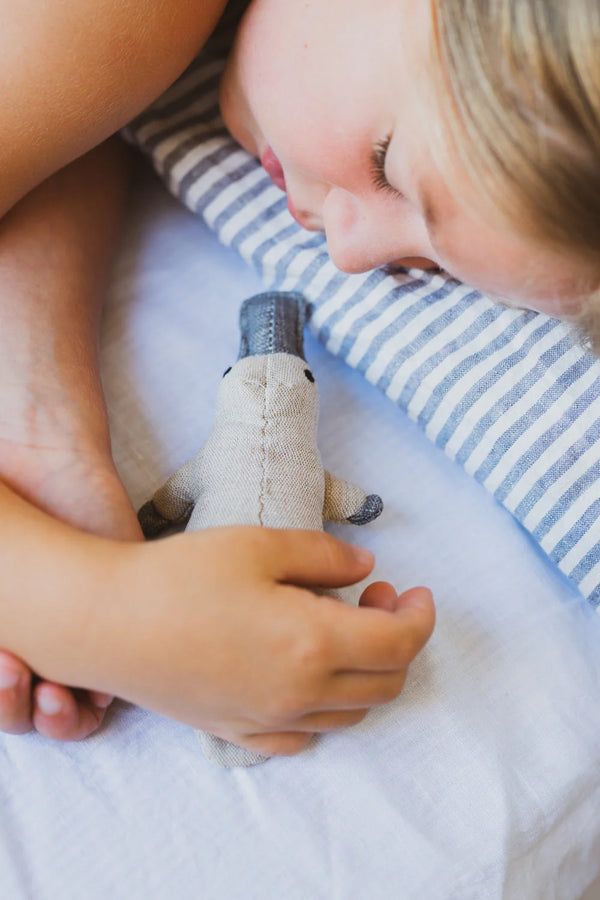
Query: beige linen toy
(261, 464)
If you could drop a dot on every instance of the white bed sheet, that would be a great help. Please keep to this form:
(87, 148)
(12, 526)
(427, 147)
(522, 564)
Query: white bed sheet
(481, 781)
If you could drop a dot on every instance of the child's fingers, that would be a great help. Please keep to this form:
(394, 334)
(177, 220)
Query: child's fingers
(311, 558)
(64, 715)
(379, 595)
(345, 701)
(381, 639)
(329, 720)
(362, 690)
(15, 695)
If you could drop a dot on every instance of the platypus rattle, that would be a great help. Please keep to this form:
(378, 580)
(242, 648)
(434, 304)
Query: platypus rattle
(260, 465)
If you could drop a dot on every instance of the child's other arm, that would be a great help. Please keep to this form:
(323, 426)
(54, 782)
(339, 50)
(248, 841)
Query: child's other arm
(72, 73)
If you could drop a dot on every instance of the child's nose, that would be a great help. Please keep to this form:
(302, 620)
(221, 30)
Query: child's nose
(364, 234)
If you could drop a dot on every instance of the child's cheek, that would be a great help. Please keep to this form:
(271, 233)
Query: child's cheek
(236, 113)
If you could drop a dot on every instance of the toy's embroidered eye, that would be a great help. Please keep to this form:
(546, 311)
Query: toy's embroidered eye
(309, 375)
(228, 369)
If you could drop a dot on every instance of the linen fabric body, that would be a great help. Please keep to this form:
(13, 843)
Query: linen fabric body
(261, 464)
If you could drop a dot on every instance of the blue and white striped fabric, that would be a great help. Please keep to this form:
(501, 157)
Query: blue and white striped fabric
(508, 394)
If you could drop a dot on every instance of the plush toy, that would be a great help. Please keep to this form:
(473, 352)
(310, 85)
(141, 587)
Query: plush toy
(261, 464)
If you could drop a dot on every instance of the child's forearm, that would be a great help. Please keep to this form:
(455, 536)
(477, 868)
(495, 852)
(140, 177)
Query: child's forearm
(72, 73)
(52, 581)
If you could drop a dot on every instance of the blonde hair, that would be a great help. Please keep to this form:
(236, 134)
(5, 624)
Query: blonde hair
(519, 87)
(587, 323)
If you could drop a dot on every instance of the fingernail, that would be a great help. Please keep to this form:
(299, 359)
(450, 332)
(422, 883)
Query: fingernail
(103, 700)
(47, 703)
(9, 678)
(363, 556)
(420, 596)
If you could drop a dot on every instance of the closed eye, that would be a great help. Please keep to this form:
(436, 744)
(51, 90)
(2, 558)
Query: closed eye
(377, 161)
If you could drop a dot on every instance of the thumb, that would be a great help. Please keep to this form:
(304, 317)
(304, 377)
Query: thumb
(417, 603)
(312, 558)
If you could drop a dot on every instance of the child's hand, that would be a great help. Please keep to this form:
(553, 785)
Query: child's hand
(208, 628)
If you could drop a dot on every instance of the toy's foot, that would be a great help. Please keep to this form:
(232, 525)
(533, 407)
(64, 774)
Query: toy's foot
(153, 524)
(371, 509)
(223, 753)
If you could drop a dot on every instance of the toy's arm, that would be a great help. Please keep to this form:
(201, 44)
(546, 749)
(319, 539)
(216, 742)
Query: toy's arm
(345, 502)
(173, 503)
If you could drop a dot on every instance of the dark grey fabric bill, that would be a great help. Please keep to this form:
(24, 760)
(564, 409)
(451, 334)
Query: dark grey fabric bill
(273, 322)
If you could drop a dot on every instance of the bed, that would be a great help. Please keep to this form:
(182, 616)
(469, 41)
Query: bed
(482, 780)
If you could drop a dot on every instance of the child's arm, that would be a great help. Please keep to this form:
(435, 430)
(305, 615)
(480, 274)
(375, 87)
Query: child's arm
(72, 73)
(204, 627)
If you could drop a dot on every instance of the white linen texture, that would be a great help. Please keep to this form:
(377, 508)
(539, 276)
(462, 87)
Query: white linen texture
(480, 782)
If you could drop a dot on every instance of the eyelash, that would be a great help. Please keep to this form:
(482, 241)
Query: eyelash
(378, 168)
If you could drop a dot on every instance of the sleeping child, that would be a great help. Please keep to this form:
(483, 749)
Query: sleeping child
(410, 132)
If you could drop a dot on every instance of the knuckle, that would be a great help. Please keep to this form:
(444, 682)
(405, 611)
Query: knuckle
(284, 708)
(272, 711)
(356, 717)
(339, 720)
(409, 646)
(312, 648)
(287, 704)
(334, 552)
(307, 661)
(251, 542)
(393, 689)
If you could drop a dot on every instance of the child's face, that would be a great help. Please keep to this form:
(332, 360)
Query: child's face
(325, 82)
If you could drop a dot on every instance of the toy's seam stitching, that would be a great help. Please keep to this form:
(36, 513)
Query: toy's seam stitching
(263, 450)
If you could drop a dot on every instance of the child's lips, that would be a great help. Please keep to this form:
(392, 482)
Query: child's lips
(273, 168)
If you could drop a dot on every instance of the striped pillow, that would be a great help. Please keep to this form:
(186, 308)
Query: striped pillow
(508, 394)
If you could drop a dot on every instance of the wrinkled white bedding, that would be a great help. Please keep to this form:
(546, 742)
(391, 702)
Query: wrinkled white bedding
(481, 781)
